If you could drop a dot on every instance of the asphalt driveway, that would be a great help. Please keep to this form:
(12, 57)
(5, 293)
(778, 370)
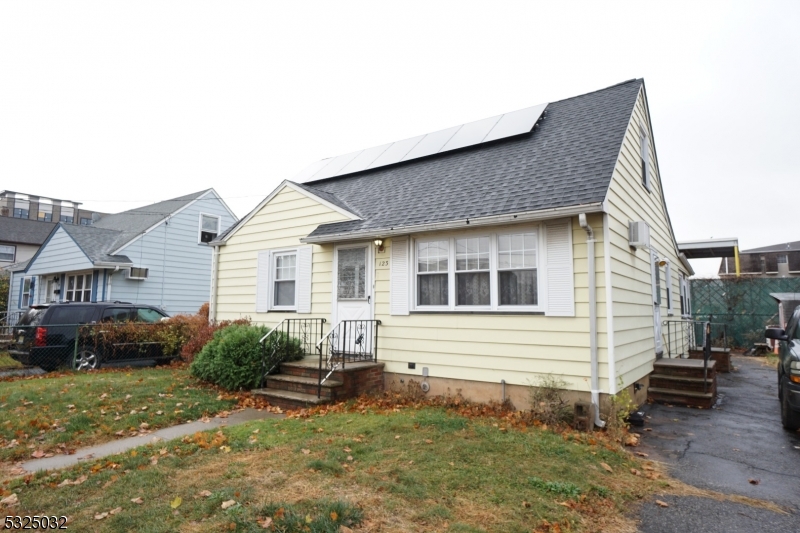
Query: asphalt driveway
(737, 448)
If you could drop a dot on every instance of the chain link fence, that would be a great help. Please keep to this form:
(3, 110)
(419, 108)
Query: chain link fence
(90, 346)
(743, 304)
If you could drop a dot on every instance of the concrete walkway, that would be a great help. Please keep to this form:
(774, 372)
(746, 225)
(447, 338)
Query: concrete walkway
(738, 448)
(165, 434)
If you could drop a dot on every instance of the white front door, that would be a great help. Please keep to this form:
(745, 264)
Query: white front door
(353, 292)
(656, 281)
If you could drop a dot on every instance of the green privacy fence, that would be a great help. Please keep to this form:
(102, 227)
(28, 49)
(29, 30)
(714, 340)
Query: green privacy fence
(743, 303)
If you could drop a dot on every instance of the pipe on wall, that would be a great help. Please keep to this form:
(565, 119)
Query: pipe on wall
(595, 380)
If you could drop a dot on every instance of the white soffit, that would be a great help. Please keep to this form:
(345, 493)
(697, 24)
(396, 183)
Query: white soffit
(469, 134)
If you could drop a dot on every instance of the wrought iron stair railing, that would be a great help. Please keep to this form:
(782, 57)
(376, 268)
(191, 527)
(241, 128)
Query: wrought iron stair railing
(281, 340)
(349, 341)
(683, 336)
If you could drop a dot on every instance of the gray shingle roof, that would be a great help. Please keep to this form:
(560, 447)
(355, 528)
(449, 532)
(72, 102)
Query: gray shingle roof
(23, 231)
(96, 243)
(134, 222)
(567, 161)
(112, 231)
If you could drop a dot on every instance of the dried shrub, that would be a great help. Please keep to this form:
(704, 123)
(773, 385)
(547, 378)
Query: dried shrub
(548, 406)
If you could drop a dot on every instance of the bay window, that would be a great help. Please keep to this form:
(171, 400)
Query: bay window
(478, 272)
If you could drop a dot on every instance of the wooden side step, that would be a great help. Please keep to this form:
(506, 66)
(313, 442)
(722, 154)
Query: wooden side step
(683, 382)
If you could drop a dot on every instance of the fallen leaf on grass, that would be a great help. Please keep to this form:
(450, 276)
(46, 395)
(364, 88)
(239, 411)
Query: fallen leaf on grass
(228, 503)
(662, 504)
(266, 523)
(115, 510)
(204, 493)
(635, 472)
(526, 504)
(100, 516)
(641, 454)
(607, 468)
(345, 529)
(38, 454)
(137, 501)
(305, 451)
(176, 502)
(10, 501)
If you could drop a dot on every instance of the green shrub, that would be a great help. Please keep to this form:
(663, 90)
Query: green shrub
(232, 359)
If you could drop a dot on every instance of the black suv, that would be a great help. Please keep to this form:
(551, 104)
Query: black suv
(789, 370)
(45, 335)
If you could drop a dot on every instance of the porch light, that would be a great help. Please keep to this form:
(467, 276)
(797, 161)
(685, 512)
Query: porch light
(379, 244)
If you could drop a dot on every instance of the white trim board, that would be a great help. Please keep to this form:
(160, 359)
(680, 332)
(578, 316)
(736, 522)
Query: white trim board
(273, 194)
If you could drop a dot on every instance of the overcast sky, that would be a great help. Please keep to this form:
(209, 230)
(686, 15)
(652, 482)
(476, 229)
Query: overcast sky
(120, 104)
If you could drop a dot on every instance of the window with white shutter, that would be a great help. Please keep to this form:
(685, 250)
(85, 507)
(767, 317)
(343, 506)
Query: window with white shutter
(284, 280)
(398, 276)
(560, 282)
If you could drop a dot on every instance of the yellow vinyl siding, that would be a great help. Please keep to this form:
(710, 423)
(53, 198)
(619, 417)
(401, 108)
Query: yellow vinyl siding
(628, 200)
(281, 223)
(493, 347)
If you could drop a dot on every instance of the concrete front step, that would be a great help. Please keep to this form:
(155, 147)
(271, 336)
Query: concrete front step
(290, 399)
(683, 383)
(289, 382)
(681, 397)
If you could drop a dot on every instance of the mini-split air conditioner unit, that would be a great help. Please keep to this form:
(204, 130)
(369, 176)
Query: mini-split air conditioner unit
(638, 234)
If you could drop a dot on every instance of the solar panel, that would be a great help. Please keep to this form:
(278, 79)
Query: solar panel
(364, 159)
(432, 143)
(516, 123)
(396, 152)
(469, 134)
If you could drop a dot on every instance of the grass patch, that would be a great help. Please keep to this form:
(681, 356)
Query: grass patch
(69, 411)
(6, 362)
(412, 470)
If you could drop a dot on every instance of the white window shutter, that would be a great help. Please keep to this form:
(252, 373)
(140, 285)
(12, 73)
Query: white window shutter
(303, 282)
(262, 281)
(398, 277)
(560, 282)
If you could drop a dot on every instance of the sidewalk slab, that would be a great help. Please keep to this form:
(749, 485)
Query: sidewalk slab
(122, 445)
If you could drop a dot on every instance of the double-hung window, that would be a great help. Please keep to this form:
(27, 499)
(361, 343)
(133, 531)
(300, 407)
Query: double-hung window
(478, 272)
(433, 259)
(517, 269)
(284, 275)
(79, 288)
(209, 228)
(472, 271)
(7, 252)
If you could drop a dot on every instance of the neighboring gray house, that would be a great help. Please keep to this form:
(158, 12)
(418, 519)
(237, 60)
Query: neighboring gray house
(20, 239)
(156, 254)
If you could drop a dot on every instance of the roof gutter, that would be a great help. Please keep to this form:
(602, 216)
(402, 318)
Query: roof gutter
(107, 264)
(685, 263)
(494, 220)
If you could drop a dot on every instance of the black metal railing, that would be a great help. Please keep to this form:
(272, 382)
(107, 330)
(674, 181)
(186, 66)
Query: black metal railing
(293, 338)
(10, 318)
(349, 341)
(685, 336)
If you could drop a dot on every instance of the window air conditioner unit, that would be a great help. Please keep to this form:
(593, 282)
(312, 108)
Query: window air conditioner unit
(639, 234)
(138, 273)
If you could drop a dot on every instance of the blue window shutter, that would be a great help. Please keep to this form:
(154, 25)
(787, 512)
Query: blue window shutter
(21, 284)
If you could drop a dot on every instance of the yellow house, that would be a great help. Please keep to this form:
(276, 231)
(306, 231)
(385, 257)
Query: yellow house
(477, 258)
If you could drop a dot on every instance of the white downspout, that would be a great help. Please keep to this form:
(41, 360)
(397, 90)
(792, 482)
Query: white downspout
(212, 301)
(592, 319)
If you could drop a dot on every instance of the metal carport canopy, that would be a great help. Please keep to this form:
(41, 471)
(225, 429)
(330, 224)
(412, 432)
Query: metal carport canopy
(709, 248)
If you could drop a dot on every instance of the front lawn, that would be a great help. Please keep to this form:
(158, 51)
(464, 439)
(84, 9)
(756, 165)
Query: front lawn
(58, 414)
(372, 469)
